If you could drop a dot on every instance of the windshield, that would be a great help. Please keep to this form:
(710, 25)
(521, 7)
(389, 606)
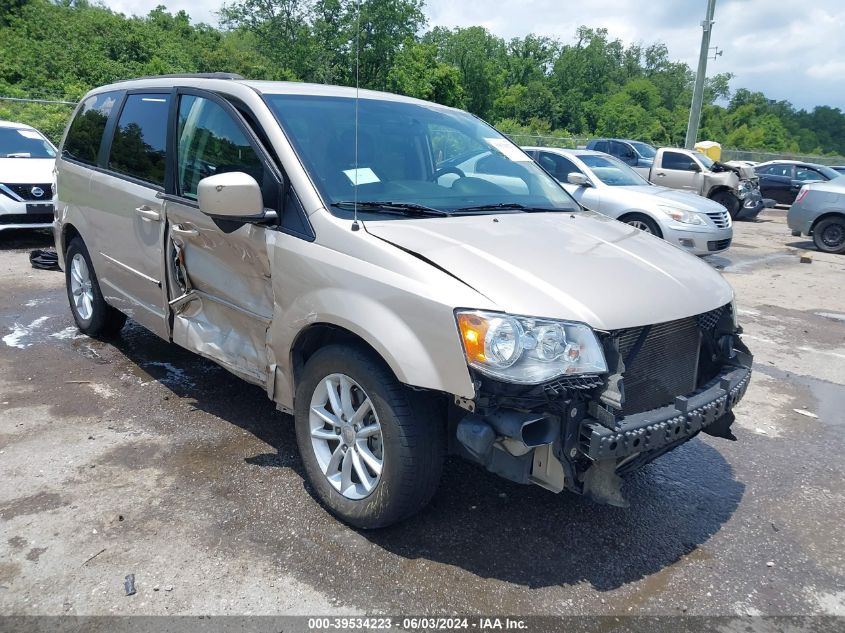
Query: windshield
(644, 149)
(412, 153)
(24, 143)
(828, 172)
(705, 160)
(612, 171)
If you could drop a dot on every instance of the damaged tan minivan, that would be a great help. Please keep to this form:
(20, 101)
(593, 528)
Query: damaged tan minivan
(400, 277)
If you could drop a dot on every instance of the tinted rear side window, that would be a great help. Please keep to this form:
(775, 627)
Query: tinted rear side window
(86, 132)
(140, 138)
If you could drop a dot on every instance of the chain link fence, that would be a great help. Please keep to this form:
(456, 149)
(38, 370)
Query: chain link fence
(757, 156)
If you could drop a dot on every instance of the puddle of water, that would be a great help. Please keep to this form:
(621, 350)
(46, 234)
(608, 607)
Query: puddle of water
(830, 397)
(20, 334)
(173, 376)
(744, 265)
(69, 333)
(834, 316)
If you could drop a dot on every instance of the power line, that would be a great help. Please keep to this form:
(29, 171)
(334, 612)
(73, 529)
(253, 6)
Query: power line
(24, 100)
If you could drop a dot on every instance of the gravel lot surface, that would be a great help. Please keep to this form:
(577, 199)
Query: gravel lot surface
(136, 457)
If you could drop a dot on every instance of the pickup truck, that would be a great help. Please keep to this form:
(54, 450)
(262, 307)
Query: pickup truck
(735, 188)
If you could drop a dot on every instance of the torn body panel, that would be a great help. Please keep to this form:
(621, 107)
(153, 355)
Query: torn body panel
(601, 432)
(221, 292)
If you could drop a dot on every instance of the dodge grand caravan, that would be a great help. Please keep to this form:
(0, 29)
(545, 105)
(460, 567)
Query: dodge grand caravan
(402, 308)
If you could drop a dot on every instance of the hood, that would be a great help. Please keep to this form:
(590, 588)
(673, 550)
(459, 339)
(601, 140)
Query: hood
(743, 171)
(685, 200)
(580, 266)
(25, 171)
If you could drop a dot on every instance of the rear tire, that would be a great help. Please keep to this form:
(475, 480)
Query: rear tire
(829, 235)
(644, 223)
(92, 314)
(399, 435)
(727, 200)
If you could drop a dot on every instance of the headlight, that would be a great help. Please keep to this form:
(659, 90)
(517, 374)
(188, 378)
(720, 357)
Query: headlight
(684, 217)
(526, 350)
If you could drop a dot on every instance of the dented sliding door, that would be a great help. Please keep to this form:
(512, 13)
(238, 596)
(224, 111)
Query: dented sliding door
(219, 281)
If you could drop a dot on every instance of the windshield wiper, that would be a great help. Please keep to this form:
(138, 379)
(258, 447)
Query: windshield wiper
(405, 208)
(508, 205)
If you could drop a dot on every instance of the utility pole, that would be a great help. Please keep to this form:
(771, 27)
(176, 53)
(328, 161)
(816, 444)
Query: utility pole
(698, 91)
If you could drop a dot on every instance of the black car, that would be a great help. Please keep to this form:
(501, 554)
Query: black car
(782, 179)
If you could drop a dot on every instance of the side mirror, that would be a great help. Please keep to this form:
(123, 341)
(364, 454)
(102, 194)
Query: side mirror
(232, 195)
(574, 178)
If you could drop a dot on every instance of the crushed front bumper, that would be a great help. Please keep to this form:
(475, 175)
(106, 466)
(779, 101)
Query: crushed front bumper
(652, 430)
(752, 205)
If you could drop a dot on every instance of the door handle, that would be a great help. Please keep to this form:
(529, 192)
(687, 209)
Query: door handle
(661, 174)
(148, 213)
(179, 229)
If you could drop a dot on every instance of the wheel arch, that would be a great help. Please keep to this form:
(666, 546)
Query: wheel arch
(629, 213)
(69, 232)
(825, 216)
(720, 189)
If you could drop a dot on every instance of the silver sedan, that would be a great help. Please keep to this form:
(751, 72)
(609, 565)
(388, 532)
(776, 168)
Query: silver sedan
(819, 211)
(605, 184)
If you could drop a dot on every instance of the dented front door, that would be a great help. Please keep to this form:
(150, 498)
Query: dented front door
(219, 272)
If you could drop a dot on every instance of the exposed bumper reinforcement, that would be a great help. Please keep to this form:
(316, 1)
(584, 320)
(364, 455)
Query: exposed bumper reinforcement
(652, 430)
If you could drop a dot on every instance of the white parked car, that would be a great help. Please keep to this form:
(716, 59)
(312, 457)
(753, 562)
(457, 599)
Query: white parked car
(605, 184)
(27, 194)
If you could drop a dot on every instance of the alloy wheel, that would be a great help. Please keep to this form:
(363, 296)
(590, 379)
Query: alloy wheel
(346, 436)
(639, 224)
(81, 287)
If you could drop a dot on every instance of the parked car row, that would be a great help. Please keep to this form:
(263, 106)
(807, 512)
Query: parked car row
(815, 192)
(734, 187)
(605, 184)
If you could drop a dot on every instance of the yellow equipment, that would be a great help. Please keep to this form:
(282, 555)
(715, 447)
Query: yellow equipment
(712, 149)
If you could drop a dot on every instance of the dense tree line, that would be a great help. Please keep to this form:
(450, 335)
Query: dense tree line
(589, 85)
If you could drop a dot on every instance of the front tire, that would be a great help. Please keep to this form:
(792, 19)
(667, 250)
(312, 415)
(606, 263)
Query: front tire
(727, 200)
(92, 314)
(372, 449)
(829, 235)
(643, 223)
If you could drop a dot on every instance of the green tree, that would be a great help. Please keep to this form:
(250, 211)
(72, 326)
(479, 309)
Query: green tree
(417, 73)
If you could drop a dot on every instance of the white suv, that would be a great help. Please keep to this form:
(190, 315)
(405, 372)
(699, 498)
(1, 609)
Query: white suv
(27, 193)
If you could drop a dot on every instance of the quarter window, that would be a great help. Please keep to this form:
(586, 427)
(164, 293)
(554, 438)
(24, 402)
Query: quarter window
(140, 139)
(86, 132)
(211, 142)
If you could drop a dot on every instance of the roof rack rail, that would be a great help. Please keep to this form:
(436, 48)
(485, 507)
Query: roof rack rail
(232, 76)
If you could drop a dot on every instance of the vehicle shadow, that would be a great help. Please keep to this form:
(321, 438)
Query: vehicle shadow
(21, 239)
(804, 245)
(485, 525)
(529, 536)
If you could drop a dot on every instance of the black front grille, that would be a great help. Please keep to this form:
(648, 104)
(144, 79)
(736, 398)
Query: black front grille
(26, 218)
(25, 191)
(664, 366)
(718, 245)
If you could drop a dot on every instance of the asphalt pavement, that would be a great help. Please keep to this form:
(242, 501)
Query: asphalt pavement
(135, 457)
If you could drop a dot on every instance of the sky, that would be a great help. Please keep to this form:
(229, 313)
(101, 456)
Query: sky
(788, 49)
